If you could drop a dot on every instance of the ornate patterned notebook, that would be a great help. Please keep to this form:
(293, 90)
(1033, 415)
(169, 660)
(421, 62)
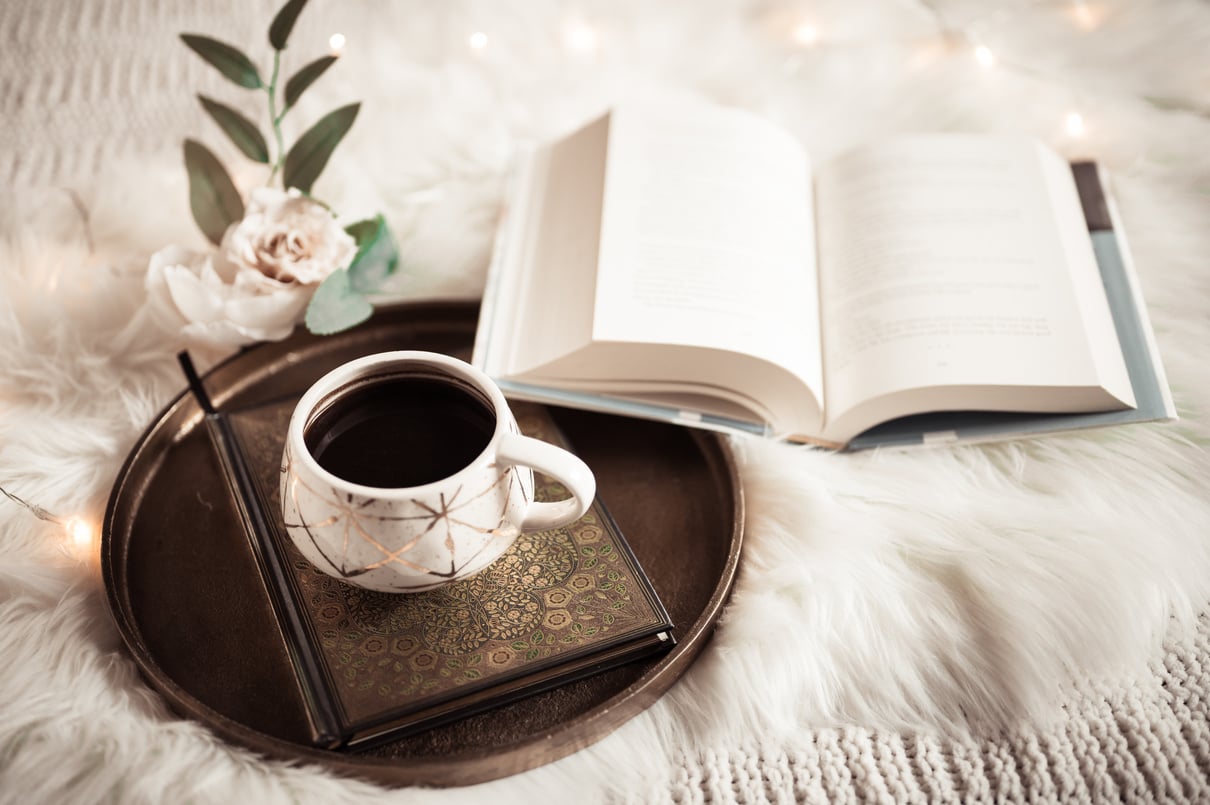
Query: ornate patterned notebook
(558, 605)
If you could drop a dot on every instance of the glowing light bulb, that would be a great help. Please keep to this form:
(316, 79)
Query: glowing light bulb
(336, 43)
(1086, 17)
(985, 57)
(79, 535)
(806, 34)
(580, 37)
(477, 40)
(1075, 124)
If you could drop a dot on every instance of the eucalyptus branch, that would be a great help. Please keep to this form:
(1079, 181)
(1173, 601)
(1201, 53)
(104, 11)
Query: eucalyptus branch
(339, 302)
(275, 118)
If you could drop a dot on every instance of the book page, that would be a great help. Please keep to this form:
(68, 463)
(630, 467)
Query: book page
(707, 238)
(957, 261)
(546, 305)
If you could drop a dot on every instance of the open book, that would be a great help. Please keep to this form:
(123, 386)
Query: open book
(689, 263)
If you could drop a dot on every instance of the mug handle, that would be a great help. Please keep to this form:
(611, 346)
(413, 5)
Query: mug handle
(559, 464)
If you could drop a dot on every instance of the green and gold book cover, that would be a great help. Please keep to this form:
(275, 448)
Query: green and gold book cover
(556, 606)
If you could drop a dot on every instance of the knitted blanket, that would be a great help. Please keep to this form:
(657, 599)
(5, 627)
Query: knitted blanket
(1011, 622)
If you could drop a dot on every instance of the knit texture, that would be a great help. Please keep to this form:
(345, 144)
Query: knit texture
(85, 84)
(1146, 742)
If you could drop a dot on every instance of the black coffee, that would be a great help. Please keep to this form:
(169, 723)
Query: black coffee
(400, 431)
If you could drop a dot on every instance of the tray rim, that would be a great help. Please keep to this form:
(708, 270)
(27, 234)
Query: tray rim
(464, 767)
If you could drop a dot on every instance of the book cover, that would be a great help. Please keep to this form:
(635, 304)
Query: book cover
(558, 605)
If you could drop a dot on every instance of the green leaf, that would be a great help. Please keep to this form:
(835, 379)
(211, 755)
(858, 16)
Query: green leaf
(215, 202)
(241, 130)
(305, 77)
(376, 257)
(283, 23)
(307, 157)
(226, 59)
(336, 306)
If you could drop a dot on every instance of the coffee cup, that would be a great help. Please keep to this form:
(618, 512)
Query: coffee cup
(404, 471)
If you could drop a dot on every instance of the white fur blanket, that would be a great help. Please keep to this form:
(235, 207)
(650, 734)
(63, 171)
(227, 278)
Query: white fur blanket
(1011, 621)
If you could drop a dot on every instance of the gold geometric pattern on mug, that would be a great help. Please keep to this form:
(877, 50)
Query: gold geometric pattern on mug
(348, 516)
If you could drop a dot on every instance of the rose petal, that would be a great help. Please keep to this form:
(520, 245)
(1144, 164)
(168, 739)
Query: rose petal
(221, 268)
(336, 251)
(251, 281)
(174, 256)
(267, 333)
(216, 334)
(159, 299)
(271, 311)
(195, 299)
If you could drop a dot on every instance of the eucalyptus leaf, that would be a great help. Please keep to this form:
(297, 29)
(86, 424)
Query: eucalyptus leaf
(213, 198)
(305, 77)
(377, 256)
(335, 306)
(241, 130)
(283, 23)
(307, 157)
(227, 60)
(365, 231)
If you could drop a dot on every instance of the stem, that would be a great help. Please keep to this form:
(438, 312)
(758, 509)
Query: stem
(321, 203)
(275, 118)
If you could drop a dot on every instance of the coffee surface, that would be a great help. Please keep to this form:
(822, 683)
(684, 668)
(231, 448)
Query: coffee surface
(399, 432)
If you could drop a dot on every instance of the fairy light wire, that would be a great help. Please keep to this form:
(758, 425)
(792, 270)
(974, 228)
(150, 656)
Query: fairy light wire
(34, 509)
(78, 531)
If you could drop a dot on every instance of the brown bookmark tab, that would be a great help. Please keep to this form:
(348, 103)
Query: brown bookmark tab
(1092, 196)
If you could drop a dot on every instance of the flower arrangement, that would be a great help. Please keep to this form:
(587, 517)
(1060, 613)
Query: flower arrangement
(281, 257)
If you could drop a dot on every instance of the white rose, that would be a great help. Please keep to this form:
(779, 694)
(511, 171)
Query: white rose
(257, 286)
(288, 238)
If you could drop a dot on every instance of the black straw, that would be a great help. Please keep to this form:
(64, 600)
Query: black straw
(195, 382)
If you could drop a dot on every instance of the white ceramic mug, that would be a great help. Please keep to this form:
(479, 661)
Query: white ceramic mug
(412, 538)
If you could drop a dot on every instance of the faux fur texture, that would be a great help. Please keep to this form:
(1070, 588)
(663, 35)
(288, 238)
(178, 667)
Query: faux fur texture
(948, 589)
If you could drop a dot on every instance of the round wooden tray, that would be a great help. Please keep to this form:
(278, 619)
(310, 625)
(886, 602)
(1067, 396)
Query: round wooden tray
(184, 588)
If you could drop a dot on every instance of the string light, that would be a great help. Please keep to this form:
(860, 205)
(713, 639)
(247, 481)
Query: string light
(80, 536)
(1075, 124)
(806, 34)
(477, 40)
(1086, 16)
(336, 43)
(580, 37)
